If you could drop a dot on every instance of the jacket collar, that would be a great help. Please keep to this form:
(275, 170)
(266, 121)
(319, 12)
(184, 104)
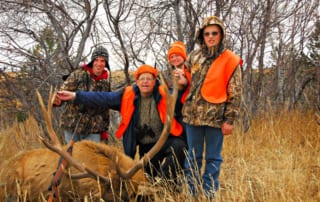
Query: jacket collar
(104, 74)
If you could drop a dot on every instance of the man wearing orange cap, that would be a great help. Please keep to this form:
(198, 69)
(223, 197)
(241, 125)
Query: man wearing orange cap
(143, 109)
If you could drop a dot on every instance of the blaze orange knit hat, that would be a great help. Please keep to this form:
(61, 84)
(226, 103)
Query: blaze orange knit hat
(146, 69)
(178, 48)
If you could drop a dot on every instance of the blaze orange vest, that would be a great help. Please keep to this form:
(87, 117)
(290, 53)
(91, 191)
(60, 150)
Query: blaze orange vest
(127, 109)
(214, 87)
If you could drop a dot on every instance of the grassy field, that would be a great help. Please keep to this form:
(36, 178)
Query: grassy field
(278, 159)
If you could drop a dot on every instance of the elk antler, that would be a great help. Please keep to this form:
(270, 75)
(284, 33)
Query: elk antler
(55, 144)
(48, 120)
(171, 103)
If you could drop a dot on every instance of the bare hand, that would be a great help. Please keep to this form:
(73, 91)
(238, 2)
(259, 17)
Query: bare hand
(181, 79)
(66, 95)
(226, 128)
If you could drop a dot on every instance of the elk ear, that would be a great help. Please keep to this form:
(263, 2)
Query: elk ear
(171, 103)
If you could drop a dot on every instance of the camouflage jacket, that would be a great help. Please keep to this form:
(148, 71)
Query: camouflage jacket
(196, 110)
(92, 120)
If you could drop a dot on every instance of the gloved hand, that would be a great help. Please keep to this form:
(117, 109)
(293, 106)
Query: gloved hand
(104, 136)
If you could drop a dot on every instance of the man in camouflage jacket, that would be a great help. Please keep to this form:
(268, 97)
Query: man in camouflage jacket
(80, 122)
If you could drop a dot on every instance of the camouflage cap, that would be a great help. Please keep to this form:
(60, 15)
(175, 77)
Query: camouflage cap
(212, 20)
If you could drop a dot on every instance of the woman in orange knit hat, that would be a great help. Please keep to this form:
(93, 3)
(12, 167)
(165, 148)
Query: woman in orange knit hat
(177, 56)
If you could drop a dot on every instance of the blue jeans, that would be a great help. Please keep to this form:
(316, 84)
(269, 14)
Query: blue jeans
(213, 138)
(77, 137)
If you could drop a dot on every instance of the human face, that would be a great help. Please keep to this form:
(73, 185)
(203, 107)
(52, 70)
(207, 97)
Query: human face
(98, 65)
(212, 35)
(176, 60)
(146, 83)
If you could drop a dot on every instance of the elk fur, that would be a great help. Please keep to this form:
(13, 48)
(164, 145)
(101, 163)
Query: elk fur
(31, 172)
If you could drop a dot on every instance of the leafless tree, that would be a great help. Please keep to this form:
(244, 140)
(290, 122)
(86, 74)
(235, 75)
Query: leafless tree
(44, 39)
(41, 41)
(269, 35)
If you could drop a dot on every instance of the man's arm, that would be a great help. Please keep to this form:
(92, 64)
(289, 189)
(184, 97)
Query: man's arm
(110, 100)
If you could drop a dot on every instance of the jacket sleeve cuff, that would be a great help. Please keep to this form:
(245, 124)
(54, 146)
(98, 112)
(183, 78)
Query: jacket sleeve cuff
(76, 97)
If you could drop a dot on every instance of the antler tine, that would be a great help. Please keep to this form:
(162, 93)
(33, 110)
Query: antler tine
(47, 117)
(171, 103)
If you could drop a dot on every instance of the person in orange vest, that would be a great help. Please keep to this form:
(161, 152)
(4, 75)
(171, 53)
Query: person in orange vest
(211, 105)
(143, 110)
(177, 55)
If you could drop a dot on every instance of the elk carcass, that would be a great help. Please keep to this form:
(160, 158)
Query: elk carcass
(31, 172)
(96, 170)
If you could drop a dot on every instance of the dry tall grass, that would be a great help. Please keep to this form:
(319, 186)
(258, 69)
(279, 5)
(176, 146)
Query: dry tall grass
(276, 160)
